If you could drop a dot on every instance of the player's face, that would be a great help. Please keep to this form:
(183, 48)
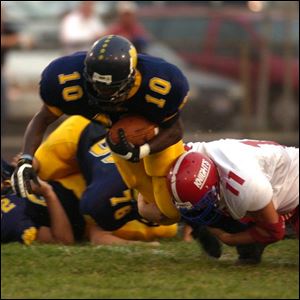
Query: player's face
(113, 93)
(105, 91)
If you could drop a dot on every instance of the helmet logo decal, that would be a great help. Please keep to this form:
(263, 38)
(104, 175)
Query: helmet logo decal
(173, 178)
(133, 59)
(202, 174)
(102, 78)
(187, 205)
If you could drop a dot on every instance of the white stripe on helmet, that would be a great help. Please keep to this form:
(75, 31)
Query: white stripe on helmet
(173, 178)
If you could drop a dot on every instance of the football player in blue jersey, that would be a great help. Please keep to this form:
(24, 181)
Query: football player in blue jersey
(106, 83)
(52, 215)
(78, 145)
(24, 221)
(109, 207)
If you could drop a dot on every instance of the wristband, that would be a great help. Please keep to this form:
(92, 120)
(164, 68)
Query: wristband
(144, 150)
(26, 156)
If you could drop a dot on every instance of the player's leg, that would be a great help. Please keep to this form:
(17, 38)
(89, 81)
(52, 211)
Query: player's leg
(137, 230)
(248, 253)
(163, 199)
(157, 166)
(135, 177)
(149, 178)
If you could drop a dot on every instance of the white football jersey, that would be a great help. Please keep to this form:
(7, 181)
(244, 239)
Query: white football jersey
(252, 173)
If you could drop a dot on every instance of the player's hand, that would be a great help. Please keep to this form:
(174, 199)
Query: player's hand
(41, 187)
(127, 150)
(209, 243)
(24, 172)
(220, 234)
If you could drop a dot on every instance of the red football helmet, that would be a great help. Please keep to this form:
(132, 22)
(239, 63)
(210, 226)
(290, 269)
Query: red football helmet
(194, 183)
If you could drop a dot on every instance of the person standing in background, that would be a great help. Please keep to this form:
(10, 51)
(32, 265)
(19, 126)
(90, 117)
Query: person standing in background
(128, 26)
(9, 39)
(81, 27)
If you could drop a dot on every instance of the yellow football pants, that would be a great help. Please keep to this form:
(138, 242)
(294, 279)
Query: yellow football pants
(56, 156)
(135, 230)
(149, 177)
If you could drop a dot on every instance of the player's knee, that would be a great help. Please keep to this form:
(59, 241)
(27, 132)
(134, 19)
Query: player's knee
(149, 210)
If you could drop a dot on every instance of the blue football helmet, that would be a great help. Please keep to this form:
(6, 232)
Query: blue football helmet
(110, 70)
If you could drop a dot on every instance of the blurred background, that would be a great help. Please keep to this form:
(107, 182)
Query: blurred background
(240, 57)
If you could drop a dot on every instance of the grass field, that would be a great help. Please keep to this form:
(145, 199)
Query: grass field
(172, 270)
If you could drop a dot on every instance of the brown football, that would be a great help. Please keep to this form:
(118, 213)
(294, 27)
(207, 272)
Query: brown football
(138, 130)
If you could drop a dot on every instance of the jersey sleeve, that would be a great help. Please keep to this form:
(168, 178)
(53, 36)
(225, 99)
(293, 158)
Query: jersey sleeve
(49, 89)
(165, 92)
(175, 101)
(260, 192)
(251, 194)
(61, 85)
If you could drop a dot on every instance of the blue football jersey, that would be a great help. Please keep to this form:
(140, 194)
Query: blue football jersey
(62, 85)
(21, 217)
(16, 226)
(159, 92)
(106, 199)
(37, 210)
(163, 90)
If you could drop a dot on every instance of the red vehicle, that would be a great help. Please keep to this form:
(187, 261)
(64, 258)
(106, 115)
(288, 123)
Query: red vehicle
(212, 39)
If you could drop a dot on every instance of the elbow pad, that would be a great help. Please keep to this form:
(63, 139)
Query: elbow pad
(275, 231)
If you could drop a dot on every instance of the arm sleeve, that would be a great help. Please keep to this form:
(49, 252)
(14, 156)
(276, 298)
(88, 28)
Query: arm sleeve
(253, 194)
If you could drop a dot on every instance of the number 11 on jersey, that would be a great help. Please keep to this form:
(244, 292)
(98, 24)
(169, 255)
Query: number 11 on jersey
(237, 179)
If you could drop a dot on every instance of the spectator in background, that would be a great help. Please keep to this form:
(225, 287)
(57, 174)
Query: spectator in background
(9, 39)
(81, 27)
(127, 25)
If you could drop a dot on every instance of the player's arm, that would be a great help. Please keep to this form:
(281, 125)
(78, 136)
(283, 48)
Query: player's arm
(36, 129)
(98, 236)
(60, 227)
(34, 133)
(268, 228)
(168, 135)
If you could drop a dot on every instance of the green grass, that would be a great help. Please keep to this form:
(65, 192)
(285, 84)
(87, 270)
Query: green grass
(172, 270)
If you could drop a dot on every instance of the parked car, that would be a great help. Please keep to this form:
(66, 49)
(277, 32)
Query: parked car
(214, 40)
(215, 101)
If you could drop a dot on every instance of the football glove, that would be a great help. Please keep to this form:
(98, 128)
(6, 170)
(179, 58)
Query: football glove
(127, 150)
(24, 172)
(209, 243)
